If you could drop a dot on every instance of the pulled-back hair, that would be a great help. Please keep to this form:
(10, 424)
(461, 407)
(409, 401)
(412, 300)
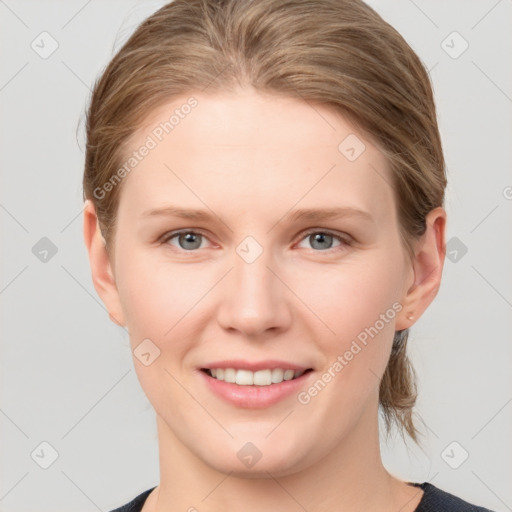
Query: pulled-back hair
(339, 53)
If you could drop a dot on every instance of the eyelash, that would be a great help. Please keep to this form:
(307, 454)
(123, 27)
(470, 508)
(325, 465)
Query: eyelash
(346, 241)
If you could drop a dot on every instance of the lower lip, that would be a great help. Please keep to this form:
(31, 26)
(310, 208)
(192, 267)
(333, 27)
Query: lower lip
(254, 397)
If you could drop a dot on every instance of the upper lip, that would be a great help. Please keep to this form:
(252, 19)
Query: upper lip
(239, 364)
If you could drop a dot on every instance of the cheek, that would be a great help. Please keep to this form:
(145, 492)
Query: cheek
(352, 295)
(355, 306)
(157, 301)
(145, 294)
(162, 301)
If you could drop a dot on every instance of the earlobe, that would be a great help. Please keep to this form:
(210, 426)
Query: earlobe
(427, 270)
(101, 270)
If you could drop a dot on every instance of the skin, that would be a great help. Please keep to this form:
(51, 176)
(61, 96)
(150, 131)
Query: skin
(251, 159)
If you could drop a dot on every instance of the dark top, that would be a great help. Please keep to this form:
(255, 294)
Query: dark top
(433, 500)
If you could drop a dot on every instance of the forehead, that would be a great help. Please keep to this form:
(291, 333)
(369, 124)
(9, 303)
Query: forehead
(255, 149)
(246, 118)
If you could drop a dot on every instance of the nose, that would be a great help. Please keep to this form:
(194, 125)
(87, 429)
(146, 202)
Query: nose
(254, 300)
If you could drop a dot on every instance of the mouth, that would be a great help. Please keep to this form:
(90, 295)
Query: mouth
(264, 386)
(263, 377)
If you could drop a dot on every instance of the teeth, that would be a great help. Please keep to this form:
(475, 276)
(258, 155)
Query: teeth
(244, 377)
(229, 375)
(258, 378)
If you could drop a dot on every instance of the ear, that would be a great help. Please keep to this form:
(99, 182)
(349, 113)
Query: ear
(101, 269)
(427, 270)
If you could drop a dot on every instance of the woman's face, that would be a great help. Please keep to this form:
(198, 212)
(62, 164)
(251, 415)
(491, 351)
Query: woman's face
(255, 285)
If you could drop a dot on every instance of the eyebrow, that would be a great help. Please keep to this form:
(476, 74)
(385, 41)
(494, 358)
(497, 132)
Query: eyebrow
(310, 214)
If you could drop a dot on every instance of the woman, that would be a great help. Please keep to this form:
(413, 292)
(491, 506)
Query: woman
(264, 187)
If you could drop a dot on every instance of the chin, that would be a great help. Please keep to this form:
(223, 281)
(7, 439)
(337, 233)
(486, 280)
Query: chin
(250, 462)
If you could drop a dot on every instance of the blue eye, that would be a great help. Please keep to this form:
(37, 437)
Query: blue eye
(320, 240)
(187, 240)
(323, 240)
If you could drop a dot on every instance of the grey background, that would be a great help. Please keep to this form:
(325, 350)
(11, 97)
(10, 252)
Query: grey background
(67, 375)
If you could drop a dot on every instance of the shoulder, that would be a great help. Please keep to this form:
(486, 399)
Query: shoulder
(136, 504)
(437, 500)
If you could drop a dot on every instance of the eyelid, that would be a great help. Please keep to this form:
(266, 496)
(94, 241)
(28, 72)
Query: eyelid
(171, 234)
(344, 238)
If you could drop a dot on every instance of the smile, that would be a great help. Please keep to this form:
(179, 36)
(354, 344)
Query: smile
(256, 389)
(265, 377)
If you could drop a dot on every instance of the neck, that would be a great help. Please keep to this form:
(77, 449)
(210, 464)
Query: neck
(350, 478)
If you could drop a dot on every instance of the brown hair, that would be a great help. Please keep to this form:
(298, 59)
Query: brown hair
(338, 53)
